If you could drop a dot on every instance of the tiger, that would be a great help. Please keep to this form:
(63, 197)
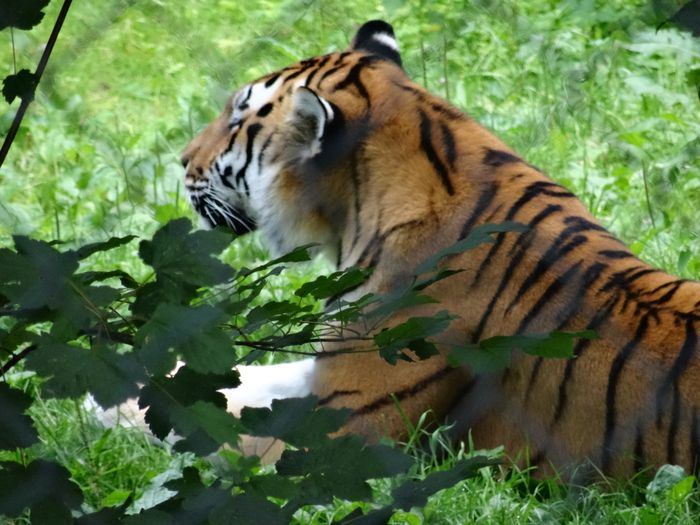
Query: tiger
(346, 152)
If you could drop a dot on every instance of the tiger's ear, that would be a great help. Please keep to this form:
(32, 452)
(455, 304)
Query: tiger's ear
(377, 37)
(308, 119)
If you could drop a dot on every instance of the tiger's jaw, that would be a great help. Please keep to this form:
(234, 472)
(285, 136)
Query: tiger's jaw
(218, 208)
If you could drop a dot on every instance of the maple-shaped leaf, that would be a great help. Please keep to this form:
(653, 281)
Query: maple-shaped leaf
(341, 467)
(20, 85)
(42, 486)
(193, 332)
(72, 371)
(21, 14)
(17, 429)
(296, 421)
(173, 403)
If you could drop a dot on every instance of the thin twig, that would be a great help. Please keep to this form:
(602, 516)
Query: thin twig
(26, 100)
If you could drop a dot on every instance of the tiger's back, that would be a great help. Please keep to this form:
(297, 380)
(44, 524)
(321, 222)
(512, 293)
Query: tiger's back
(345, 151)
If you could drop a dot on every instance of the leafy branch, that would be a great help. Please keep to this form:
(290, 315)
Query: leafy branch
(22, 84)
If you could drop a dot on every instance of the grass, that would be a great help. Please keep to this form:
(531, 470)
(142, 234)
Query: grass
(589, 91)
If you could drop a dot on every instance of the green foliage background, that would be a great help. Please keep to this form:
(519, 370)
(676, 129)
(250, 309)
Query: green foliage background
(590, 91)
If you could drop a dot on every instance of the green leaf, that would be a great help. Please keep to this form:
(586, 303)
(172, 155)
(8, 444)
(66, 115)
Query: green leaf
(249, 509)
(22, 14)
(17, 429)
(414, 493)
(341, 467)
(272, 485)
(36, 275)
(479, 235)
(411, 334)
(206, 427)
(112, 516)
(72, 371)
(688, 17)
(167, 396)
(183, 261)
(494, 353)
(42, 486)
(300, 254)
(334, 284)
(192, 332)
(285, 311)
(296, 421)
(114, 242)
(182, 256)
(20, 85)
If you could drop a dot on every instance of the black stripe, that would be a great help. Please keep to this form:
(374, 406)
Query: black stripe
(590, 276)
(681, 363)
(553, 289)
(264, 147)
(523, 243)
(550, 292)
(297, 72)
(448, 141)
(336, 394)
(272, 79)
(447, 111)
(225, 174)
(596, 322)
(675, 286)
(376, 244)
(485, 199)
(320, 65)
(328, 73)
(673, 426)
(533, 190)
(353, 78)
(426, 144)
(615, 254)
(616, 369)
(253, 130)
(265, 110)
(404, 393)
(547, 296)
(555, 252)
(497, 158)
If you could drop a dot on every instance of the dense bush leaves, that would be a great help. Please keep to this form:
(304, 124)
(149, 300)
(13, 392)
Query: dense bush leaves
(295, 421)
(191, 332)
(21, 14)
(20, 85)
(36, 275)
(190, 404)
(42, 486)
(17, 428)
(341, 467)
(77, 331)
(72, 371)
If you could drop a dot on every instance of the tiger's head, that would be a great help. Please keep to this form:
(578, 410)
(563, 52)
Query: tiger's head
(281, 157)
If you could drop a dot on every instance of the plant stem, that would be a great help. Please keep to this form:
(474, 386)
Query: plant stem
(26, 100)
